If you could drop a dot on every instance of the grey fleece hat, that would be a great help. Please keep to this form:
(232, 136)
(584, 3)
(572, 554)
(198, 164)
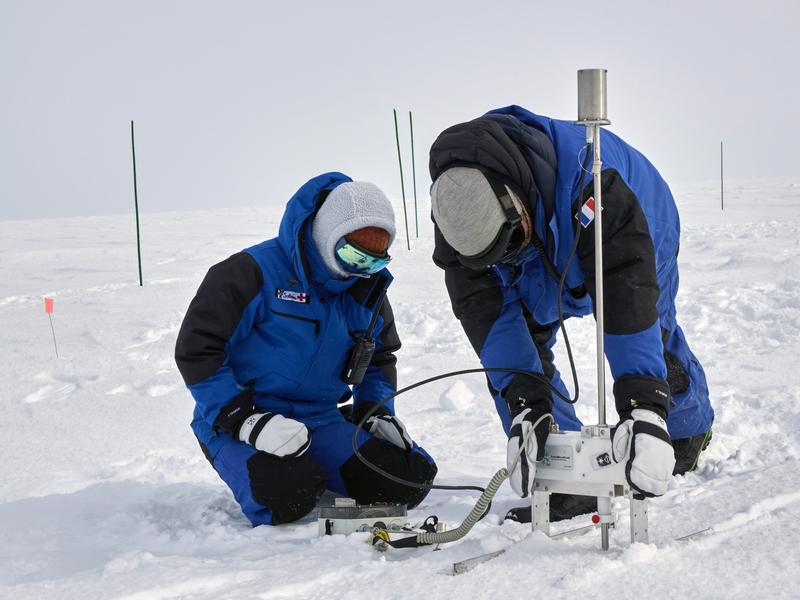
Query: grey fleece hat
(350, 206)
(466, 210)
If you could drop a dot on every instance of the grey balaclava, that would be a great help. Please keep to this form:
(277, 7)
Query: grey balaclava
(466, 209)
(350, 206)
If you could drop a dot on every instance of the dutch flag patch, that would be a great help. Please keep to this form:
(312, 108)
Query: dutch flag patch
(586, 215)
(301, 297)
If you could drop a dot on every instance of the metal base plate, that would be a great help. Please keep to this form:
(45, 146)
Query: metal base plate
(345, 516)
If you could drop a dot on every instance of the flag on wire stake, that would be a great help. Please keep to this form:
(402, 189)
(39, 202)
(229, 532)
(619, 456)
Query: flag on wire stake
(48, 308)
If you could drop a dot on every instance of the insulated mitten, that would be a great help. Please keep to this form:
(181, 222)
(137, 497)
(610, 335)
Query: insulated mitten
(524, 471)
(383, 425)
(528, 400)
(390, 429)
(641, 439)
(275, 434)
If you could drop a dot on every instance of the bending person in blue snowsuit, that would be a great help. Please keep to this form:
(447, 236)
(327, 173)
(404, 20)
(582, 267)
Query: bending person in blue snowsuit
(507, 203)
(265, 350)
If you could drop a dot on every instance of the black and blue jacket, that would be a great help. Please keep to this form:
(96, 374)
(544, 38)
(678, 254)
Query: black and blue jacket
(270, 329)
(509, 312)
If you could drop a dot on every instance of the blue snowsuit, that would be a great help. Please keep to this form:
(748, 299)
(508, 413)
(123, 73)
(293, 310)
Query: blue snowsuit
(509, 311)
(270, 330)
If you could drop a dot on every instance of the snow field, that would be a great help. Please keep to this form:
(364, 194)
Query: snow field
(105, 493)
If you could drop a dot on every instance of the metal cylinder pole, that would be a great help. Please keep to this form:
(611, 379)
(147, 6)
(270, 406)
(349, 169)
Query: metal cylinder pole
(592, 112)
(598, 275)
(606, 515)
(592, 103)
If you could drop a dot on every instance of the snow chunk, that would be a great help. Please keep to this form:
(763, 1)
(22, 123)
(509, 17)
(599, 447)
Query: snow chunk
(458, 397)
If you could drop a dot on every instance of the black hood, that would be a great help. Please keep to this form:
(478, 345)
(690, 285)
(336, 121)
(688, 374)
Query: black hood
(504, 148)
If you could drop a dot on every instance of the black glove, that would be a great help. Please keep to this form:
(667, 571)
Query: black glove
(528, 400)
(235, 412)
(641, 439)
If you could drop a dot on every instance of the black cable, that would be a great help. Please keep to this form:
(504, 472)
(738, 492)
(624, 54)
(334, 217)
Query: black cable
(539, 376)
(563, 278)
(375, 313)
(431, 486)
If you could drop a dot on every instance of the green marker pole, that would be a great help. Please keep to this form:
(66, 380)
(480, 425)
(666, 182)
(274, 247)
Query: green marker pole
(413, 171)
(721, 181)
(402, 182)
(136, 207)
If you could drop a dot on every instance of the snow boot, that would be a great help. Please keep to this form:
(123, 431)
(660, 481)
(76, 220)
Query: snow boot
(562, 507)
(687, 452)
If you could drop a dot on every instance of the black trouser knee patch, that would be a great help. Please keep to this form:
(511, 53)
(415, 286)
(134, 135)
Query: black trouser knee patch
(677, 377)
(289, 487)
(368, 487)
(347, 412)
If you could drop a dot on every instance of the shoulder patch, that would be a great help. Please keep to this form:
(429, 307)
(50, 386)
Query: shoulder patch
(586, 214)
(291, 296)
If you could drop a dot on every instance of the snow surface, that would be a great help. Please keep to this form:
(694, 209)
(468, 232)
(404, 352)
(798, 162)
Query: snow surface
(105, 493)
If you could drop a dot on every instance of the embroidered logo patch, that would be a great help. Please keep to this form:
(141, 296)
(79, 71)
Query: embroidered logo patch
(301, 297)
(586, 215)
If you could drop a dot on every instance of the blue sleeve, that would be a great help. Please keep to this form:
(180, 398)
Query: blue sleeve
(222, 313)
(214, 392)
(509, 344)
(637, 353)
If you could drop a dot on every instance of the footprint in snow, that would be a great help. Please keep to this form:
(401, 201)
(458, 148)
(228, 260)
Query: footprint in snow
(154, 391)
(152, 336)
(56, 392)
(120, 389)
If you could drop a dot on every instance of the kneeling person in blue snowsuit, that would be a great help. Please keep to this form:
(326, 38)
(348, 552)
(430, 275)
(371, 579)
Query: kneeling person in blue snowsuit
(507, 202)
(264, 348)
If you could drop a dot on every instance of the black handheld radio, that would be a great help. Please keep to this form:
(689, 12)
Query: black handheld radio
(361, 355)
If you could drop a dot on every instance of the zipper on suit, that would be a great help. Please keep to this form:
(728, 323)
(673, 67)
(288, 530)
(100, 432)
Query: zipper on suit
(299, 318)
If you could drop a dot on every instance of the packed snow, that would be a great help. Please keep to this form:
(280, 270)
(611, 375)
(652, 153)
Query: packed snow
(106, 494)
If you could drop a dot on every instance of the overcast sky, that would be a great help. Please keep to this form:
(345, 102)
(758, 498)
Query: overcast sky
(239, 103)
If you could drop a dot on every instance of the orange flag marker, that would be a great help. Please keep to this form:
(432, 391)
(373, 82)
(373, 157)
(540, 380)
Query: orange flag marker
(48, 308)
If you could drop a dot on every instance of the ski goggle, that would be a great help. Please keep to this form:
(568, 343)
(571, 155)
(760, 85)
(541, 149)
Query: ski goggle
(358, 261)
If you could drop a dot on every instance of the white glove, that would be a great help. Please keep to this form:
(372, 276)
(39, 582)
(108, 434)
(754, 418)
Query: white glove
(522, 474)
(644, 443)
(275, 434)
(390, 429)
